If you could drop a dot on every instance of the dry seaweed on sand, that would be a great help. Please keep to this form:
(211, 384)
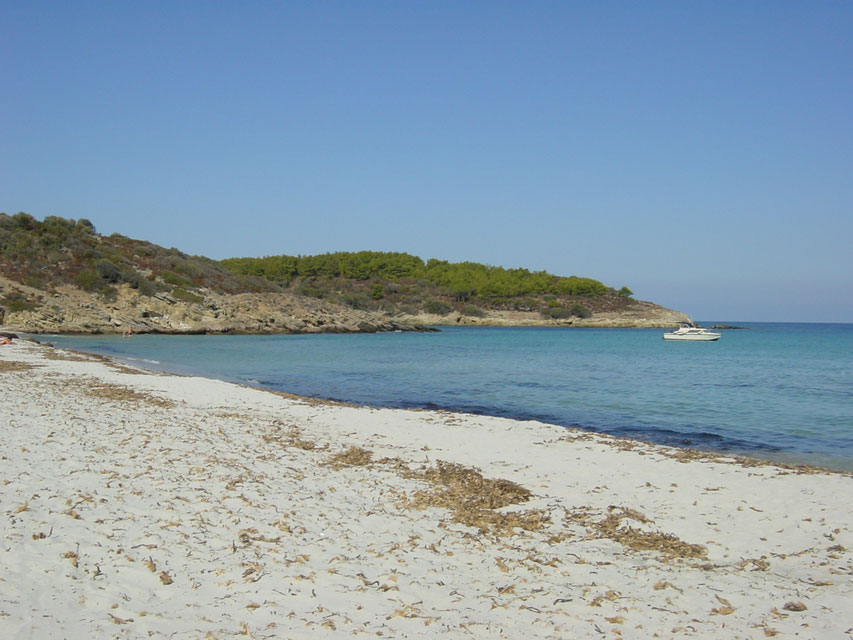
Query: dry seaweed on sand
(612, 527)
(290, 437)
(7, 366)
(69, 356)
(314, 402)
(351, 457)
(474, 499)
(119, 393)
(466, 484)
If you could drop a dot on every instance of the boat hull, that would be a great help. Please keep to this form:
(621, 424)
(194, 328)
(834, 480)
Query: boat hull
(696, 337)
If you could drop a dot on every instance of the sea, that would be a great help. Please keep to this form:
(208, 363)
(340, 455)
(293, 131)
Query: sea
(777, 391)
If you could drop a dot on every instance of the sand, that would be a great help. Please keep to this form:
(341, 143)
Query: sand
(142, 505)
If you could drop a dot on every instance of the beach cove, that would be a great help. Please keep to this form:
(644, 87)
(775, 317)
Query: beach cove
(776, 391)
(140, 504)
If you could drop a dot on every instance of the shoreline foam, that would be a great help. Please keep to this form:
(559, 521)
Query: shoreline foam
(141, 504)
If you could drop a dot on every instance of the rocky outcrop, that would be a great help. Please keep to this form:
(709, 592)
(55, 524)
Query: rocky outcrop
(71, 310)
(636, 314)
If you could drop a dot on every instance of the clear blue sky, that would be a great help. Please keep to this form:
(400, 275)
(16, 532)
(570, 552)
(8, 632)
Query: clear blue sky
(700, 153)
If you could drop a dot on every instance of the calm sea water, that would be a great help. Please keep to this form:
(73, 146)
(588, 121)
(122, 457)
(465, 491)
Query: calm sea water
(777, 391)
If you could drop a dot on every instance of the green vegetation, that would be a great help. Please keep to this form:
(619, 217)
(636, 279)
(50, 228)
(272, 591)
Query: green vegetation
(56, 251)
(186, 296)
(437, 307)
(403, 283)
(464, 279)
(556, 311)
(15, 301)
(473, 311)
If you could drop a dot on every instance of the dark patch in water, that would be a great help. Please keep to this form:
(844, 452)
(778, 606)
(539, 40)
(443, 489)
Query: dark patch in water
(705, 440)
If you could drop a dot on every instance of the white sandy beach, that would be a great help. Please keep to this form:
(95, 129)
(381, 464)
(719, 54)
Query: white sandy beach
(140, 505)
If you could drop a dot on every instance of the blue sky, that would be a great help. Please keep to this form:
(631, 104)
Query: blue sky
(700, 153)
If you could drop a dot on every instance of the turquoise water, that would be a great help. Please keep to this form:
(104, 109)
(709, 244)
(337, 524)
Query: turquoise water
(777, 391)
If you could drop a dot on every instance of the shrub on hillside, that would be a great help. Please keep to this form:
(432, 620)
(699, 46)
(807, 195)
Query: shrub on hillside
(526, 304)
(36, 282)
(108, 271)
(357, 300)
(313, 290)
(559, 312)
(473, 311)
(88, 280)
(437, 307)
(170, 277)
(15, 301)
(556, 312)
(580, 311)
(187, 296)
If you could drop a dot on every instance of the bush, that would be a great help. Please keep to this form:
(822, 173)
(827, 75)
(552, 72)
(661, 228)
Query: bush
(144, 287)
(188, 269)
(473, 311)
(88, 280)
(173, 278)
(357, 301)
(25, 221)
(86, 226)
(527, 304)
(186, 296)
(17, 302)
(36, 282)
(55, 224)
(108, 271)
(580, 311)
(437, 307)
(556, 312)
(312, 290)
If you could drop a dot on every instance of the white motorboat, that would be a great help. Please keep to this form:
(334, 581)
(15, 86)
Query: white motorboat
(692, 332)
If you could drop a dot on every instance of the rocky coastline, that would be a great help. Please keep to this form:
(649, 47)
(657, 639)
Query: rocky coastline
(71, 310)
(638, 315)
(61, 276)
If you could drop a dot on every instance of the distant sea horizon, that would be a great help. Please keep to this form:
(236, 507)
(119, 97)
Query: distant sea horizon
(776, 391)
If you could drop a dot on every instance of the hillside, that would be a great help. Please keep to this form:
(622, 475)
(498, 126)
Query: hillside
(441, 292)
(60, 275)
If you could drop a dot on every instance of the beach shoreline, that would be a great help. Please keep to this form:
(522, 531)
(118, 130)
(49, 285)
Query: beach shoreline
(138, 503)
(725, 419)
